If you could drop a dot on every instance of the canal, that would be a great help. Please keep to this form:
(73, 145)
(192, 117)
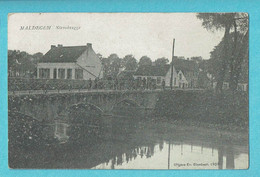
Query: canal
(122, 142)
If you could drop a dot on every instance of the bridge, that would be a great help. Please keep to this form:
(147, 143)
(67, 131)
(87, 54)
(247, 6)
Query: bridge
(48, 104)
(47, 99)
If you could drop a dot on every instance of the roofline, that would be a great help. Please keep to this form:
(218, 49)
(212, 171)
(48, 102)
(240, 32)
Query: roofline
(151, 76)
(57, 62)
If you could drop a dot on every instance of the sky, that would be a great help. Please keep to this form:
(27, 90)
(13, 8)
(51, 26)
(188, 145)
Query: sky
(139, 34)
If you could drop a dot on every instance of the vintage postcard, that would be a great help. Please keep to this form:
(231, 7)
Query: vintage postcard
(128, 90)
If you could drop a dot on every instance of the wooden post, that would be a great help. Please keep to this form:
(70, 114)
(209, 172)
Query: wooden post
(172, 63)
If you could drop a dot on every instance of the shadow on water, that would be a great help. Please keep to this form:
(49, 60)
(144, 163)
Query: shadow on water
(121, 142)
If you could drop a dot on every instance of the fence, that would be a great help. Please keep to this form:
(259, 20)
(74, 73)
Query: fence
(25, 84)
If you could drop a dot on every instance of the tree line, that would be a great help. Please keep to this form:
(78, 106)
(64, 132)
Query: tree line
(113, 63)
(21, 63)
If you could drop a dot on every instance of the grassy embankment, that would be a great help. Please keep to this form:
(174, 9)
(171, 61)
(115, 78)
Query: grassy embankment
(204, 109)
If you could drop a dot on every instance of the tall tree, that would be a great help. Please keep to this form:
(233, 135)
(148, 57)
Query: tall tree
(161, 61)
(129, 62)
(241, 58)
(111, 66)
(240, 48)
(144, 60)
(219, 21)
(21, 63)
(226, 22)
(214, 65)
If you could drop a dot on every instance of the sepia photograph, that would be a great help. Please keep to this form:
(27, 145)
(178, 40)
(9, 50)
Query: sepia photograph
(128, 90)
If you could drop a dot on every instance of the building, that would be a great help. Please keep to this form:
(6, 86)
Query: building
(242, 86)
(160, 73)
(70, 62)
(190, 70)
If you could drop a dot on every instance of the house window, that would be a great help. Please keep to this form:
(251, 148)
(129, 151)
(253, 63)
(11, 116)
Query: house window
(69, 73)
(158, 80)
(44, 73)
(175, 80)
(78, 74)
(180, 76)
(55, 73)
(61, 73)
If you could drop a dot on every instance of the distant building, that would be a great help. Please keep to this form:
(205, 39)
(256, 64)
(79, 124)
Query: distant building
(242, 81)
(241, 86)
(70, 62)
(190, 70)
(159, 73)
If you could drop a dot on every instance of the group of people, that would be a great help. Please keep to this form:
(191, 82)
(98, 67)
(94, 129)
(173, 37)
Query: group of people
(120, 84)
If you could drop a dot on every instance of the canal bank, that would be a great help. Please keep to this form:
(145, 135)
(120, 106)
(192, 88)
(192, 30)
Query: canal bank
(128, 144)
(204, 107)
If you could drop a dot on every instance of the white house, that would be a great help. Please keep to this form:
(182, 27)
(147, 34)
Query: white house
(160, 73)
(70, 62)
(242, 86)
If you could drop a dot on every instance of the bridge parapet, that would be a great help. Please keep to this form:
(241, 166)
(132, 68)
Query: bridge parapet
(48, 106)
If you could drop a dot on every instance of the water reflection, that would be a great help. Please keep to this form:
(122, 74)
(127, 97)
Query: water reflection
(125, 143)
(177, 156)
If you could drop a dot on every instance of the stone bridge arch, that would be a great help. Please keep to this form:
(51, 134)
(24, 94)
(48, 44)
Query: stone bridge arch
(82, 106)
(47, 107)
(125, 101)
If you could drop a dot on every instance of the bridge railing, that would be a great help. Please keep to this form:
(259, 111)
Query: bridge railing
(29, 84)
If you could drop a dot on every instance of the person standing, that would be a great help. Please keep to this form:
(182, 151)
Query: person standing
(89, 84)
(96, 83)
(163, 84)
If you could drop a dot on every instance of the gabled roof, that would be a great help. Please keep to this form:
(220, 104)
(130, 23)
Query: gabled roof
(60, 54)
(185, 65)
(148, 70)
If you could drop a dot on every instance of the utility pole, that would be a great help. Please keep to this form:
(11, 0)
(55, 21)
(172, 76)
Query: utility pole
(169, 154)
(172, 63)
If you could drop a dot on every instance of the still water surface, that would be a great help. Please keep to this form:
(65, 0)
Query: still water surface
(176, 156)
(127, 143)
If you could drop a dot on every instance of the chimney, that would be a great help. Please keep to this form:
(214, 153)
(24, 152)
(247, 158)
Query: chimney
(60, 45)
(89, 46)
(53, 46)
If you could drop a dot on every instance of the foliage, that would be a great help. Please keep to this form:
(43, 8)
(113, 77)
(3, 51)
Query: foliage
(229, 54)
(196, 59)
(129, 62)
(216, 21)
(111, 66)
(24, 131)
(161, 61)
(22, 63)
(144, 60)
